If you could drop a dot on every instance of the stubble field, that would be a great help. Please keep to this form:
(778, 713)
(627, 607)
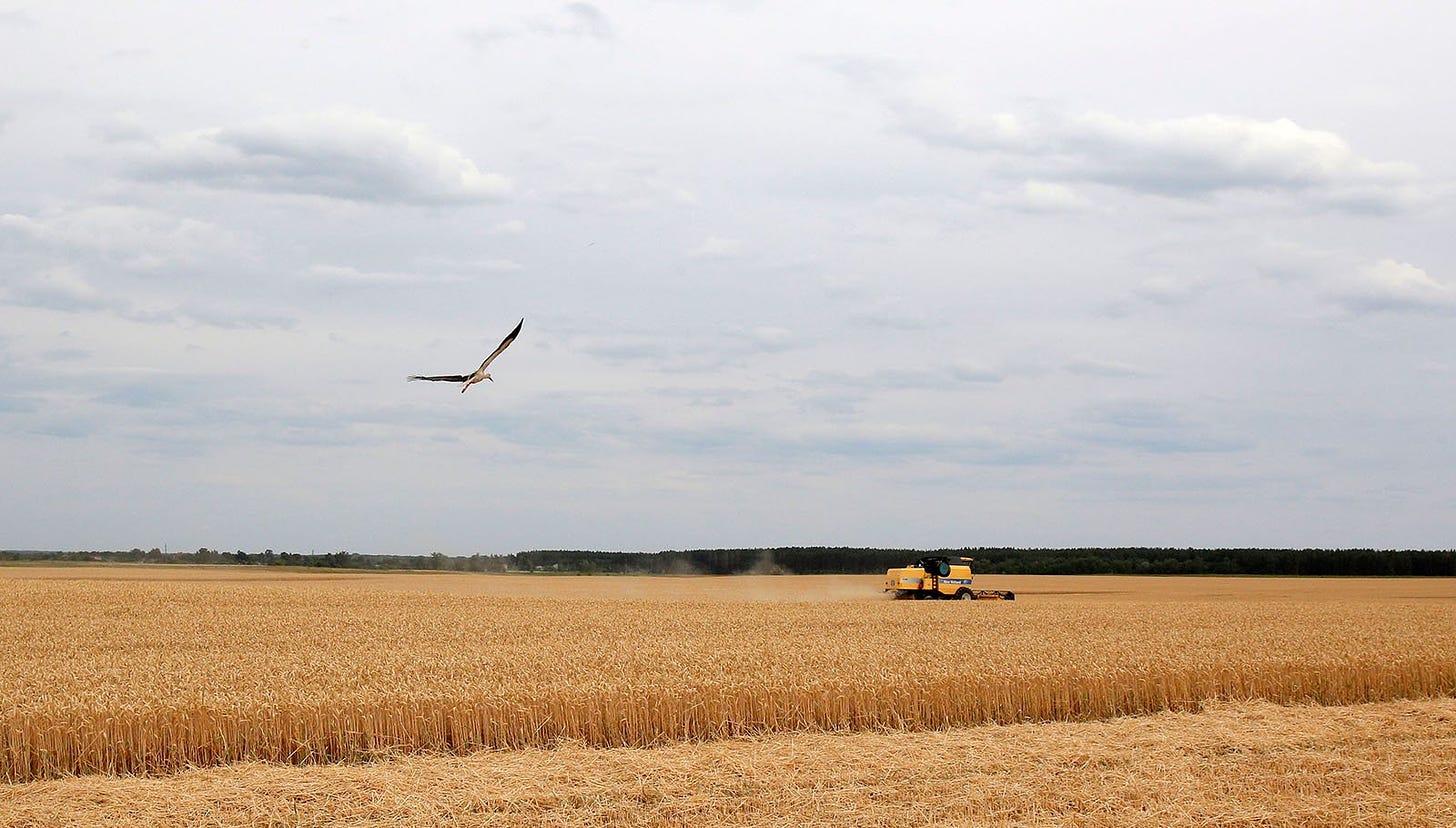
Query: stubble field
(135, 670)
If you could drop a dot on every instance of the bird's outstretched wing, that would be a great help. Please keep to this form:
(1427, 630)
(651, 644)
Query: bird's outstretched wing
(443, 378)
(510, 337)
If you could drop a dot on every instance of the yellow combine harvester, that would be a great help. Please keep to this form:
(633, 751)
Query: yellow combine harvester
(940, 576)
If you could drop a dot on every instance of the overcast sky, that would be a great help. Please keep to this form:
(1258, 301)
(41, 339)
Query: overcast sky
(1044, 273)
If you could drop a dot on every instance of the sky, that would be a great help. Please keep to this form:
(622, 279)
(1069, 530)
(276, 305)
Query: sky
(930, 274)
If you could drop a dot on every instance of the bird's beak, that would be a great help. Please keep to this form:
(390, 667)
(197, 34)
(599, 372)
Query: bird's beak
(492, 380)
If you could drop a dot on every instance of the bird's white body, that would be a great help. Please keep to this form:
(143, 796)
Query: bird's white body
(474, 378)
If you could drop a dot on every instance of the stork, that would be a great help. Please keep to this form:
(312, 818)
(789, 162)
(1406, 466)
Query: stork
(480, 373)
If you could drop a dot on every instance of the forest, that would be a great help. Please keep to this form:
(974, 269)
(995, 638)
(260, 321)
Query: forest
(816, 560)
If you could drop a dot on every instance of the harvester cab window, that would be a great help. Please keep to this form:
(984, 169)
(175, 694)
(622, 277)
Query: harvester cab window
(941, 568)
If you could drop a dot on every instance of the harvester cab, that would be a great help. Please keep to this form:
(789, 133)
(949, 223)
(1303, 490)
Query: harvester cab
(940, 576)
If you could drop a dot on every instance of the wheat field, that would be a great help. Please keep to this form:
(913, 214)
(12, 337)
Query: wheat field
(1254, 764)
(142, 670)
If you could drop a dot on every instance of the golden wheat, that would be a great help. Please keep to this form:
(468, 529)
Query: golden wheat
(1389, 765)
(125, 670)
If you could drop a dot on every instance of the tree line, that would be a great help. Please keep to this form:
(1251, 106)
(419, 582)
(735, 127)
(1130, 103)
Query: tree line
(815, 560)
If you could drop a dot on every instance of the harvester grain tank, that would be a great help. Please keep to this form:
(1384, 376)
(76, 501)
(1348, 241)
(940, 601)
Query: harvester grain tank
(940, 576)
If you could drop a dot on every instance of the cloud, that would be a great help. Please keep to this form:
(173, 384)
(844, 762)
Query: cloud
(717, 247)
(135, 238)
(1090, 367)
(1170, 291)
(891, 313)
(146, 393)
(1035, 196)
(1393, 286)
(65, 288)
(763, 339)
(342, 153)
(1191, 157)
(1147, 426)
(844, 394)
(231, 317)
(493, 265)
(606, 184)
(58, 288)
(581, 20)
(433, 271)
(1290, 262)
(121, 128)
(17, 19)
(65, 355)
(445, 265)
(884, 441)
(674, 354)
(976, 374)
(352, 277)
(513, 227)
(18, 404)
(904, 379)
(1206, 154)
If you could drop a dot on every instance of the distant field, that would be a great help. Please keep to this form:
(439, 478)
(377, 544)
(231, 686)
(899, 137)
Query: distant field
(124, 669)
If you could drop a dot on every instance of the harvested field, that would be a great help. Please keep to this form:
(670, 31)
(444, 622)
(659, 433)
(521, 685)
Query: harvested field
(142, 670)
(1245, 764)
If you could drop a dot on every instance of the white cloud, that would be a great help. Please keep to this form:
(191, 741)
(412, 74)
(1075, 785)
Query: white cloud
(69, 290)
(494, 265)
(765, 338)
(57, 288)
(600, 186)
(1187, 157)
(1109, 368)
(121, 128)
(1035, 196)
(513, 227)
(1169, 291)
(582, 20)
(137, 238)
(1389, 285)
(1208, 153)
(340, 153)
(717, 247)
(572, 20)
(1149, 426)
(893, 314)
(346, 276)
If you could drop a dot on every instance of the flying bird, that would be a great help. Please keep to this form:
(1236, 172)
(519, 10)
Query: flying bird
(480, 374)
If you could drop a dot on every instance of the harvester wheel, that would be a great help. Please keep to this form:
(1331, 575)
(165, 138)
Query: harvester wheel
(965, 595)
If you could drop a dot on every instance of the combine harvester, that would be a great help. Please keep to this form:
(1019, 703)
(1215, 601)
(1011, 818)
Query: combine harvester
(940, 576)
